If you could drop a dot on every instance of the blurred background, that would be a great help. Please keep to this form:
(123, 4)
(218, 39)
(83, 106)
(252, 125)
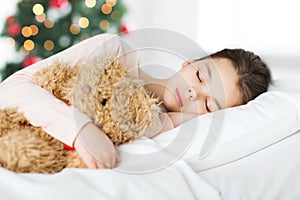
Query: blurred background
(35, 29)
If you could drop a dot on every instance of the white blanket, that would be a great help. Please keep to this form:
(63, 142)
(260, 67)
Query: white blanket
(173, 181)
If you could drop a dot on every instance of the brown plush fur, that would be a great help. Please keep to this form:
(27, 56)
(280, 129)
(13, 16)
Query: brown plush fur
(116, 102)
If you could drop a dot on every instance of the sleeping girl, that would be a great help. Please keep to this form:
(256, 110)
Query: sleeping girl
(224, 79)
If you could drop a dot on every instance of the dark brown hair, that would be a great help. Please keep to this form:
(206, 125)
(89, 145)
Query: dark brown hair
(254, 75)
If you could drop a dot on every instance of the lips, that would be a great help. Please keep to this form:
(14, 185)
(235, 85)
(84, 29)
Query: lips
(178, 97)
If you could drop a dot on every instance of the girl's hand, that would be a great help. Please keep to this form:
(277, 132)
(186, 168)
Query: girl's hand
(95, 148)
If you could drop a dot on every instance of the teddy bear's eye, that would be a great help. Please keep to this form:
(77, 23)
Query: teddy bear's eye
(103, 102)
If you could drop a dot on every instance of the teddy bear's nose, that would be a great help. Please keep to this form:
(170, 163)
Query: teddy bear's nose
(86, 89)
(103, 102)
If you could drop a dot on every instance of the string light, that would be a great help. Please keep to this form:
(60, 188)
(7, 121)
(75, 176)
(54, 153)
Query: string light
(29, 45)
(106, 8)
(23, 51)
(48, 23)
(111, 2)
(48, 45)
(115, 15)
(38, 9)
(34, 30)
(74, 29)
(40, 18)
(83, 22)
(11, 42)
(26, 31)
(90, 3)
(84, 37)
(64, 41)
(104, 24)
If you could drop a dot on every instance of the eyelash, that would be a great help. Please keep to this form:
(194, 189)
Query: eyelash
(197, 74)
(206, 106)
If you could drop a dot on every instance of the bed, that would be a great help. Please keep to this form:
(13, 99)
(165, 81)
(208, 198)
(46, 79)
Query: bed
(253, 154)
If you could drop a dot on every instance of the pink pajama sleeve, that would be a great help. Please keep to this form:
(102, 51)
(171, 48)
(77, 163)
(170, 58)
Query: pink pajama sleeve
(39, 106)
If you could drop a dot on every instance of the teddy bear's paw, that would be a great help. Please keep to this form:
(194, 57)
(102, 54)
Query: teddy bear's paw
(30, 150)
(74, 161)
(11, 119)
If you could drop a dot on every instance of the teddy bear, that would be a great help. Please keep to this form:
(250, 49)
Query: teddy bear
(101, 88)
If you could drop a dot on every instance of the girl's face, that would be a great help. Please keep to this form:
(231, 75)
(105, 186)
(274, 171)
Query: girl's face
(202, 86)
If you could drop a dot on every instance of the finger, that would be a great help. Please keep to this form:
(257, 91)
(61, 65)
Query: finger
(100, 165)
(91, 164)
(118, 158)
(112, 161)
(104, 163)
(112, 158)
(109, 162)
(86, 157)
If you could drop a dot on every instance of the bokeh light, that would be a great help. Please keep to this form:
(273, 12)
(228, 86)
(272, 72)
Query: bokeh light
(23, 51)
(38, 9)
(64, 41)
(90, 3)
(11, 42)
(48, 45)
(48, 23)
(29, 45)
(83, 22)
(26, 31)
(40, 18)
(106, 8)
(74, 29)
(115, 15)
(84, 37)
(34, 30)
(111, 2)
(104, 24)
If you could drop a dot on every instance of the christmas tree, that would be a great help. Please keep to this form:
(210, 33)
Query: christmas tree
(42, 28)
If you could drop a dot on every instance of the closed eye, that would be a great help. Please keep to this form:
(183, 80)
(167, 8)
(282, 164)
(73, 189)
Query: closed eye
(206, 106)
(199, 77)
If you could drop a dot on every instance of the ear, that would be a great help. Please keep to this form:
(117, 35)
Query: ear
(186, 63)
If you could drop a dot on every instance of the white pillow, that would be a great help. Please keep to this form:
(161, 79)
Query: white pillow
(290, 86)
(246, 129)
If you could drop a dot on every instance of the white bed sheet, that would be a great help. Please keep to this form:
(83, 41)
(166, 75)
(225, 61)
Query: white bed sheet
(268, 174)
(176, 181)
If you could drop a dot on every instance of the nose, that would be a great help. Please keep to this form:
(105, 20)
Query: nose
(195, 93)
(191, 93)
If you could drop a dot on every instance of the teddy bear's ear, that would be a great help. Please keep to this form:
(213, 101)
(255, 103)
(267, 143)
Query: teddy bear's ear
(57, 79)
